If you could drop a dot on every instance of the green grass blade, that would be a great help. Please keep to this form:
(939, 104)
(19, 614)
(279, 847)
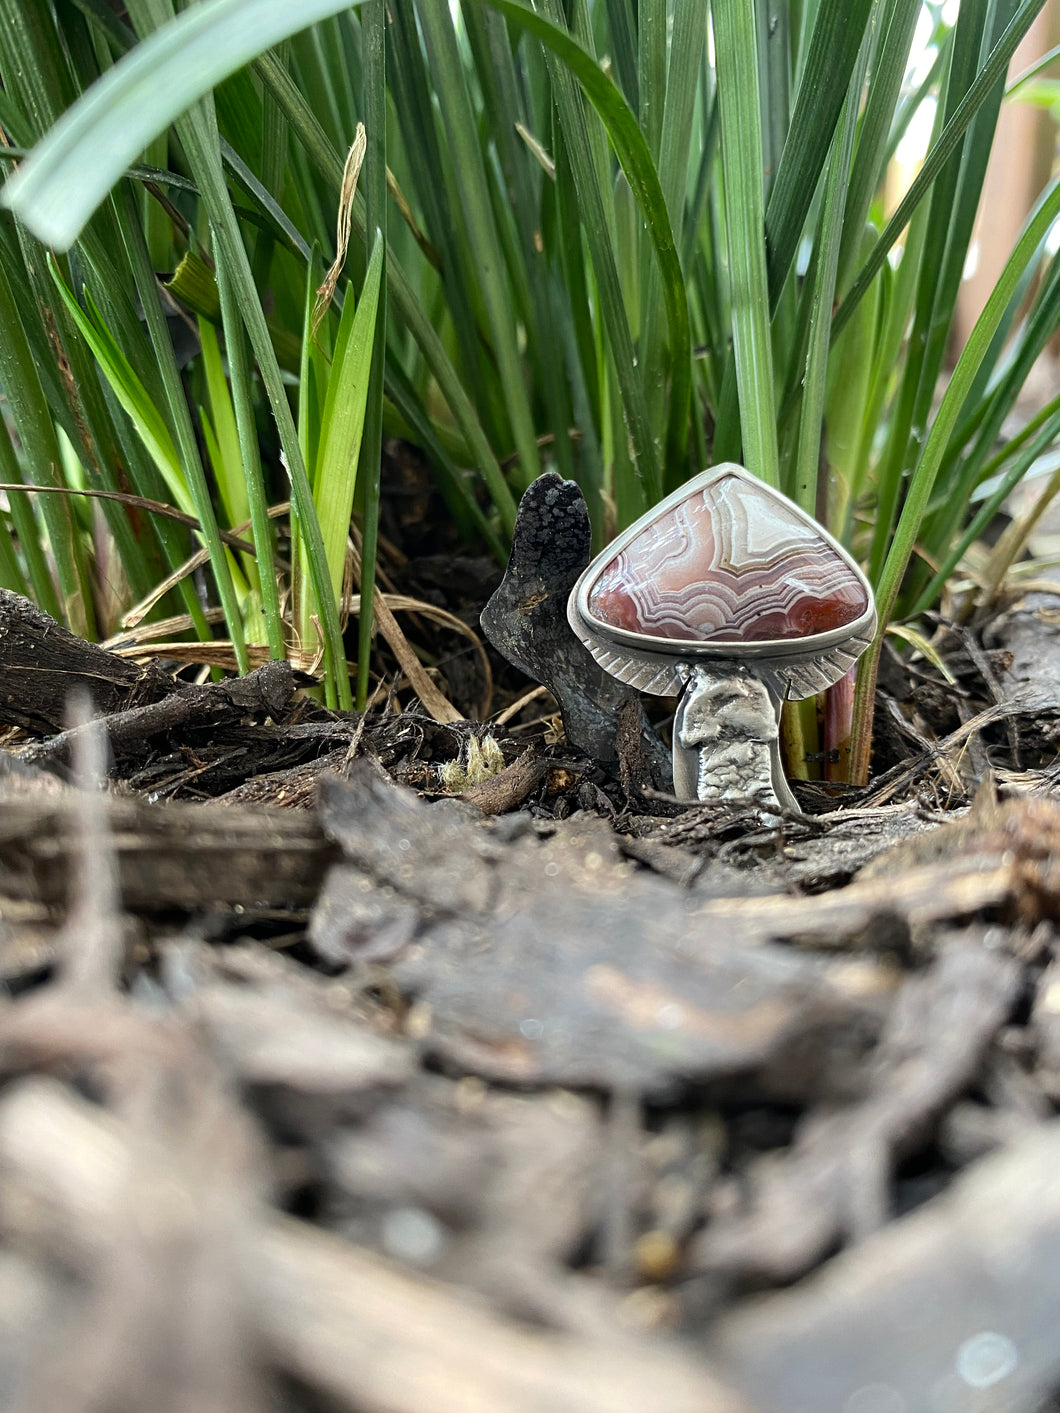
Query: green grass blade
(601, 238)
(228, 465)
(888, 70)
(851, 417)
(825, 265)
(698, 219)
(264, 577)
(623, 30)
(518, 199)
(314, 79)
(941, 151)
(374, 38)
(923, 479)
(411, 89)
(146, 285)
(277, 223)
(37, 80)
(405, 303)
(636, 162)
(447, 72)
(572, 264)
(33, 69)
(986, 512)
(11, 575)
(273, 167)
(772, 24)
(67, 177)
(314, 366)
(997, 402)
(919, 368)
(36, 71)
(952, 213)
(151, 429)
(28, 409)
(953, 401)
(315, 363)
(30, 539)
(909, 105)
(199, 138)
(117, 31)
(343, 421)
(150, 425)
(79, 406)
(837, 38)
(682, 80)
(741, 152)
(651, 70)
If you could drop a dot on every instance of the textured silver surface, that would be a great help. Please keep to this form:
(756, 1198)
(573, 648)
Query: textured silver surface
(785, 669)
(658, 675)
(727, 741)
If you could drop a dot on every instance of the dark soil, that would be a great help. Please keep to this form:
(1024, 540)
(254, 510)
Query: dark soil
(329, 1085)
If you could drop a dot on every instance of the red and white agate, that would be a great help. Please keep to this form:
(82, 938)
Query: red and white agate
(732, 563)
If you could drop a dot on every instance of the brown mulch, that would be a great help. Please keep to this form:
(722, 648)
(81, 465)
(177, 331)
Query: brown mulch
(325, 1087)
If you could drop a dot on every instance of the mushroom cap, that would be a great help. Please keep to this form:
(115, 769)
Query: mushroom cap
(725, 567)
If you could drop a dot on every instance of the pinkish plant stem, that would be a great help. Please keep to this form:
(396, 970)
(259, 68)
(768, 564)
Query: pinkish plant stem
(838, 724)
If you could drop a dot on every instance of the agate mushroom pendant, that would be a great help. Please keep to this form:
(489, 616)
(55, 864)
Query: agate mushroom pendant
(729, 596)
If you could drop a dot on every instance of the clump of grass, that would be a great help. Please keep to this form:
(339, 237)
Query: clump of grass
(624, 240)
(484, 759)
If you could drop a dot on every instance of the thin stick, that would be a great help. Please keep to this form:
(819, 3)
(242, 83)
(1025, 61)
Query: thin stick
(437, 703)
(155, 507)
(94, 944)
(516, 707)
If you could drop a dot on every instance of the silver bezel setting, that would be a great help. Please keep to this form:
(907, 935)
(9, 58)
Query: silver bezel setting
(791, 668)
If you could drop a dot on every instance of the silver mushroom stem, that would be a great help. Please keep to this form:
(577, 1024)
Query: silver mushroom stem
(726, 745)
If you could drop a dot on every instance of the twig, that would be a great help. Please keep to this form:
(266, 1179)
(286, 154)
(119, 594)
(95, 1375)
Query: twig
(989, 676)
(154, 507)
(535, 694)
(436, 702)
(341, 1320)
(402, 603)
(93, 943)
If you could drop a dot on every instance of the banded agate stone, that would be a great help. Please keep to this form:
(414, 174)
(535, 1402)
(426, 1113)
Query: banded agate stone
(732, 563)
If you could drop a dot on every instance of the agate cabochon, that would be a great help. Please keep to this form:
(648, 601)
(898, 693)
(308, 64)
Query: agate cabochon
(731, 563)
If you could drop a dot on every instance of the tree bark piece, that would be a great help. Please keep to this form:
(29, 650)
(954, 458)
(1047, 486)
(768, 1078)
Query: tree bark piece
(553, 962)
(954, 1307)
(369, 1335)
(267, 690)
(526, 621)
(832, 1183)
(182, 855)
(509, 787)
(42, 663)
